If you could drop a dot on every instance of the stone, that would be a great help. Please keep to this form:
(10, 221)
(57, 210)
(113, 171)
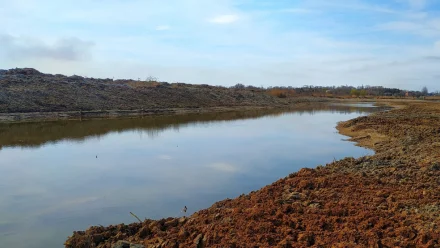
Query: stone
(121, 244)
(125, 244)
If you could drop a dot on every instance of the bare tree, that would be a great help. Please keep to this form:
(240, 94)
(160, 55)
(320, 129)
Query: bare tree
(424, 91)
(238, 86)
(151, 79)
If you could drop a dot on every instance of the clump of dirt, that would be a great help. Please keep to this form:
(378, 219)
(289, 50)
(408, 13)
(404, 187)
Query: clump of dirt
(390, 199)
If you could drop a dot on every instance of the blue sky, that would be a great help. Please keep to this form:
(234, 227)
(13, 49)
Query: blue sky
(393, 43)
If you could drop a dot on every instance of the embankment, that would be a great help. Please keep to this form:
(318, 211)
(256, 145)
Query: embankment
(29, 95)
(391, 199)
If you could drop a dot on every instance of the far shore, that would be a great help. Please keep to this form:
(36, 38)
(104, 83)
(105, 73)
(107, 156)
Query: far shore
(110, 114)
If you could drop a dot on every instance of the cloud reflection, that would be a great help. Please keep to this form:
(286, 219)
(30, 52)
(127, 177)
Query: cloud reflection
(164, 157)
(224, 167)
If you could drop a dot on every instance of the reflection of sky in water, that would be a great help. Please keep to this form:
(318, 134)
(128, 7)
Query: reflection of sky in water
(358, 104)
(60, 187)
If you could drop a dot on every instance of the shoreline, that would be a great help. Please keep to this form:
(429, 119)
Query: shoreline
(111, 114)
(388, 199)
(20, 117)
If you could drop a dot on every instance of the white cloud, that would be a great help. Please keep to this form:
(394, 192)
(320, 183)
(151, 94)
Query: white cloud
(162, 27)
(437, 45)
(224, 19)
(414, 4)
(418, 15)
(434, 24)
(298, 11)
(417, 4)
(400, 26)
(427, 28)
(356, 6)
(69, 49)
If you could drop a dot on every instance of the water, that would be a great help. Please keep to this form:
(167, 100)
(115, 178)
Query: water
(57, 177)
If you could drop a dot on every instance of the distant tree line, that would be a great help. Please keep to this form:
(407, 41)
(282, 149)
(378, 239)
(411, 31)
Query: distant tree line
(310, 90)
(344, 90)
(307, 90)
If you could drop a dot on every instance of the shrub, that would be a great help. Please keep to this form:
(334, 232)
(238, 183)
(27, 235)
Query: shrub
(281, 93)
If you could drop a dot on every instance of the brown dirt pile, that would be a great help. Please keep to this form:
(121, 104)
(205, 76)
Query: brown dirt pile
(28, 90)
(391, 199)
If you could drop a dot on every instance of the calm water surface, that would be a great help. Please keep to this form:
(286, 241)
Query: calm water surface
(57, 177)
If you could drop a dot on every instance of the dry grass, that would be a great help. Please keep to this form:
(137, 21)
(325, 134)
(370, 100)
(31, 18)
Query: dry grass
(281, 93)
(436, 98)
(363, 137)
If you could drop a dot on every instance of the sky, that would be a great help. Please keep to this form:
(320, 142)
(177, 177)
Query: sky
(393, 43)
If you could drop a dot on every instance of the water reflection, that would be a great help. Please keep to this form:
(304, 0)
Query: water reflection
(39, 133)
(56, 177)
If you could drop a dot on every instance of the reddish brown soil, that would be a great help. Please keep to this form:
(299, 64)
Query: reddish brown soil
(391, 199)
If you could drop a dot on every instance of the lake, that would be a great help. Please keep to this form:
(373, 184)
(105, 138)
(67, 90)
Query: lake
(57, 177)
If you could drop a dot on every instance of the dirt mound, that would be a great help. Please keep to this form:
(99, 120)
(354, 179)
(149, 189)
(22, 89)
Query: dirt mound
(22, 71)
(28, 90)
(390, 199)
